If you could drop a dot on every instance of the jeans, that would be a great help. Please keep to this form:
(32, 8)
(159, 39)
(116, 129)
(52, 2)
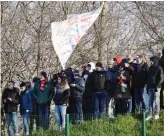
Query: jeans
(60, 112)
(26, 122)
(99, 103)
(129, 105)
(110, 105)
(12, 122)
(154, 101)
(141, 96)
(44, 113)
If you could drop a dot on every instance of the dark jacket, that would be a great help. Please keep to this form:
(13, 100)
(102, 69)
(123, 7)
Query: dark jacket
(123, 88)
(61, 96)
(43, 97)
(155, 74)
(99, 81)
(11, 106)
(78, 90)
(26, 102)
(111, 74)
(139, 76)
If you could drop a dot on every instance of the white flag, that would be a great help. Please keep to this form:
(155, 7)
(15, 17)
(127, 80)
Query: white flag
(66, 34)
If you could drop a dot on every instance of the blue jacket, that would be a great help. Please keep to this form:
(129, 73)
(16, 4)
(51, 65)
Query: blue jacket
(26, 102)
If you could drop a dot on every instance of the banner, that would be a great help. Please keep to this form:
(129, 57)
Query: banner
(66, 34)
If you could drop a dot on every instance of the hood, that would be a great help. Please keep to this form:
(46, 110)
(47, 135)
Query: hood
(118, 59)
(155, 59)
(92, 67)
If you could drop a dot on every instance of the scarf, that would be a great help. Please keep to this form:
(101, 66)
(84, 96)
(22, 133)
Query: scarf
(43, 84)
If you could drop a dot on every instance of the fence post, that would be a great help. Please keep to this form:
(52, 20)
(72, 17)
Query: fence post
(143, 124)
(67, 125)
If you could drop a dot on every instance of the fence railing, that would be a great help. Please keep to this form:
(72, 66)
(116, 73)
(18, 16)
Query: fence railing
(97, 127)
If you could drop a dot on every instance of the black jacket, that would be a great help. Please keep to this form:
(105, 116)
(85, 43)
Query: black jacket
(63, 97)
(139, 78)
(155, 74)
(99, 81)
(78, 90)
(11, 106)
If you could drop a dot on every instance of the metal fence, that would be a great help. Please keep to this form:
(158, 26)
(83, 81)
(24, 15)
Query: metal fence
(77, 127)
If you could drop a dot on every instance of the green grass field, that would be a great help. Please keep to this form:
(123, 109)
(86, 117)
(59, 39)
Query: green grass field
(119, 126)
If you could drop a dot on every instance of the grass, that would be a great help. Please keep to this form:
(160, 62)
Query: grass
(119, 126)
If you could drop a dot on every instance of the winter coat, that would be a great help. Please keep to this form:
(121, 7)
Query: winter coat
(78, 90)
(43, 97)
(155, 74)
(98, 81)
(26, 102)
(10, 106)
(62, 95)
(111, 73)
(139, 77)
(123, 88)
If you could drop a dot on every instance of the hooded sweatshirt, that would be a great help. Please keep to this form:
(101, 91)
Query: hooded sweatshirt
(155, 74)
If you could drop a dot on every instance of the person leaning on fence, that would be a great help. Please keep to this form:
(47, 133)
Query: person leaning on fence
(98, 83)
(26, 106)
(11, 99)
(154, 84)
(161, 63)
(61, 99)
(139, 79)
(122, 89)
(75, 100)
(43, 94)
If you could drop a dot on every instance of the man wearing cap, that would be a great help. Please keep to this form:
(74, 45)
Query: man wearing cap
(98, 83)
(161, 63)
(43, 94)
(76, 91)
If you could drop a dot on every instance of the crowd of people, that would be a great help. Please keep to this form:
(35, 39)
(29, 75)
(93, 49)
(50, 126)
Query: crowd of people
(127, 85)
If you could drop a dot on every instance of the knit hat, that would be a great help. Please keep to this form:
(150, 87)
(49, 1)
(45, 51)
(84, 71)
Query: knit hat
(76, 73)
(99, 64)
(44, 74)
(22, 84)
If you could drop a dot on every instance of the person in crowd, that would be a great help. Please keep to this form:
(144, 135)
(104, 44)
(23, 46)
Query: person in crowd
(139, 79)
(34, 115)
(70, 76)
(98, 83)
(43, 94)
(76, 91)
(117, 60)
(26, 105)
(84, 70)
(61, 100)
(110, 93)
(122, 89)
(131, 66)
(91, 67)
(87, 103)
(161, 63)
(11, 99)
(154, 83)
